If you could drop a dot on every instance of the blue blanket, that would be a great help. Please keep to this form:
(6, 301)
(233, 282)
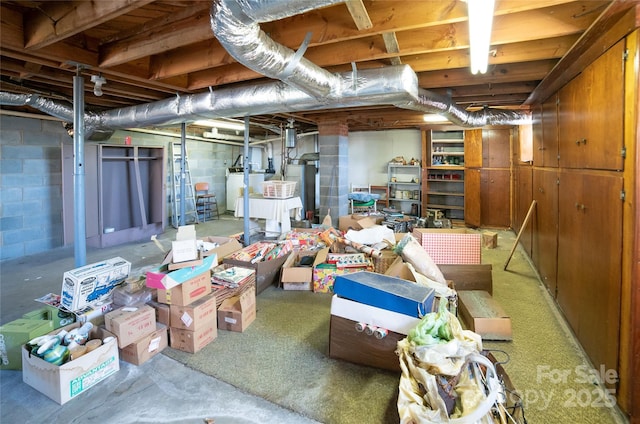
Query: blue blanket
(363, 196)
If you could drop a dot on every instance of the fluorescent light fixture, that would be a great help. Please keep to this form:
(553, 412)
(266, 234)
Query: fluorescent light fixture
(213, 123)
(434, 117)
(480, 22)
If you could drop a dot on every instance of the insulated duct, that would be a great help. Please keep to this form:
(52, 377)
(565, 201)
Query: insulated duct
(304, 86)
(372, 87)
(236, 25)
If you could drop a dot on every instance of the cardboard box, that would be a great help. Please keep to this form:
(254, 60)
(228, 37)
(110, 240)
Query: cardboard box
(91, 284)
(226, 246)
(140, 351)
(304, 238)
(51, 313)
(191, 290)
(172, 266)
(16, 333)
(490, 239)
(371, 315)
(469, 277)
(193, 341)
(385, 292)
(482, 314)
(163, 312)
(65, 382)
(400, 269)
(267, 272)
(184, 247)
(451, 246)
(238, 312)
(324, 274)
(294, 276)
(160, 278)
(184, 250)
(131, 323)
(195, 315)
(353, 222)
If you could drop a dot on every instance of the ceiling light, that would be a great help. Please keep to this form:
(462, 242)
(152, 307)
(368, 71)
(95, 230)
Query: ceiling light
(480, 21)
(213, 123)
(99, 81)
(434, 117)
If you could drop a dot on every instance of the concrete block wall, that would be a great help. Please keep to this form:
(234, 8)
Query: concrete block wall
(30, 185)
(31, 200)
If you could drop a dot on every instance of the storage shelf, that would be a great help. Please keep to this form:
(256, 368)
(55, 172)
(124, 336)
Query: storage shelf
(445, 174)
(445, 193)
(452, 207)
(447, 167)
(405, 176)
(442, 180)
(402, 183)
(393, 199)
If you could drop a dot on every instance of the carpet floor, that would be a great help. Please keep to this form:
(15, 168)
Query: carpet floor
(283, 356)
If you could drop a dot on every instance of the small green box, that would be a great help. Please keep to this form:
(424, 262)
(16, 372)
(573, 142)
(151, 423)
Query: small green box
(16, 333)
(51, 313)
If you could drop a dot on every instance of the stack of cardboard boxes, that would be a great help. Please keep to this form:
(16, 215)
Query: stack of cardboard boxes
(184, 299)
(84, 289)
(139, 336)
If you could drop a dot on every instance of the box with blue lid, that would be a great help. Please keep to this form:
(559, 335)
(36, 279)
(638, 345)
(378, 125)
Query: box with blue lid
(385, 292)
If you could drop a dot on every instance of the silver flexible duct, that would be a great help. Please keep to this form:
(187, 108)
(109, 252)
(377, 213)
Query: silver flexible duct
(389, 85)
(434, 103)
(304, 86)
(236, 25)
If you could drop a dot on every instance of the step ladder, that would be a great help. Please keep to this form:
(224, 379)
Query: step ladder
(176, 195)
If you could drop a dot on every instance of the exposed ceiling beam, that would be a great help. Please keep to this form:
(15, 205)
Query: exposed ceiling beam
(54, 21)
(359, 14)
(391, 44)
(170, 36)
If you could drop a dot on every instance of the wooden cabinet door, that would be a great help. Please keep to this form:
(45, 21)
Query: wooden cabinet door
(571, 117)
(473, 148)
(604, 106)
(472, 197)
(545, 224)
(496, 148)
(495, 199)
(589, 261)
(523, 186)
(590, 115)
(549, 147)
(601, 272)
(570, 259)
(537, 120)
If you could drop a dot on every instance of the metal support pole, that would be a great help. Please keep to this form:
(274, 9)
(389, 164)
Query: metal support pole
(245, 183)
(79, 206)
(183, 172)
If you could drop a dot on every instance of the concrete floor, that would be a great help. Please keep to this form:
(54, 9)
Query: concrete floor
(159, 391)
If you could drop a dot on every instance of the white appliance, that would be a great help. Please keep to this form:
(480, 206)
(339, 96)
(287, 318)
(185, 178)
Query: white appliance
(235, 182)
